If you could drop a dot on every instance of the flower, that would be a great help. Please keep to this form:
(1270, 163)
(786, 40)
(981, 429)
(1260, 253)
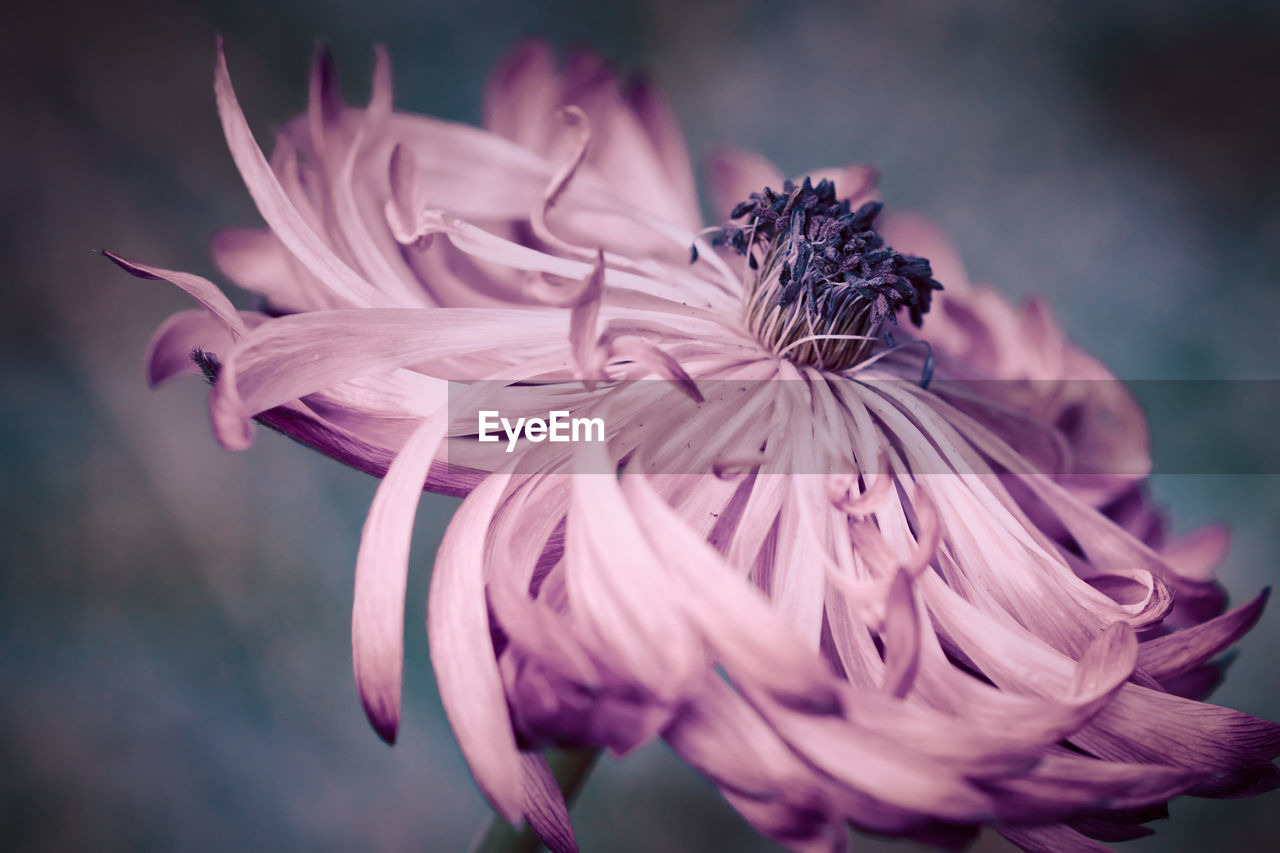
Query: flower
(861, 549)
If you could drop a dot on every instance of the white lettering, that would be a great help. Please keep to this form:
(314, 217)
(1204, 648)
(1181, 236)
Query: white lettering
(558, 426)
(587, 424)
(486, 424)
(513, 435)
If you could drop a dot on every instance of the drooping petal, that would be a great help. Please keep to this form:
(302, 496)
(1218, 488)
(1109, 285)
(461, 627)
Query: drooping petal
(616, 588)
(382, 569)
(462, 653)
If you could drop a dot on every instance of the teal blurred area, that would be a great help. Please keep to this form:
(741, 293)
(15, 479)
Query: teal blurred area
(174, 619)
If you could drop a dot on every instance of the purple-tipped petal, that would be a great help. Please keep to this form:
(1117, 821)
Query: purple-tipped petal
(382, 570)
(324, 99)
(914, 608)
(1178, 653)
(200, 289)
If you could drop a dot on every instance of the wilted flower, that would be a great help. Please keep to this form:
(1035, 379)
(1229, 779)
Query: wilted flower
(852, 570)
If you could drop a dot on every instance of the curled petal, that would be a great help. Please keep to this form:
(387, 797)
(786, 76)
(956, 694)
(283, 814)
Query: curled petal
(170, 349)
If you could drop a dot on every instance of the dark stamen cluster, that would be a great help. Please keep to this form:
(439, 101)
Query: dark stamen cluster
(827, 256)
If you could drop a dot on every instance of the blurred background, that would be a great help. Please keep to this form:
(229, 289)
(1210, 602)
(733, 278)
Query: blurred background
(174, 619)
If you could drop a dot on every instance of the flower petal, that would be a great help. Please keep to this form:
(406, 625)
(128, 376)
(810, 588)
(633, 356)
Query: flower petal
(750, 638)
(735, 174)
(462, 653)
(382, 570)
(299, 354)
(170, 349)
(1180, 652)
(616, 589)
(544, 805)
(200, 289)
(274, 204)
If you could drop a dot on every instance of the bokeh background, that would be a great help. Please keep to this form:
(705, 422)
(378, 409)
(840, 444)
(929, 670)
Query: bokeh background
(174, 647)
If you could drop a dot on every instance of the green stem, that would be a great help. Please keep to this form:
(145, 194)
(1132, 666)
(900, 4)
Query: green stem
(571, 768)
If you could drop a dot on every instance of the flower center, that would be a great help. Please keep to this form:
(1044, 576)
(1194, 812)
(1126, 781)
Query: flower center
(824, 286)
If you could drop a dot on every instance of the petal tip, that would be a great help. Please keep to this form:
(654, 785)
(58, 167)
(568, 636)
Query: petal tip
(385, 721)
(128, 266)
(233, 430)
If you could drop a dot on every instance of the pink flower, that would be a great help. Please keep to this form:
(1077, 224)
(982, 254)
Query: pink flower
(915, 607)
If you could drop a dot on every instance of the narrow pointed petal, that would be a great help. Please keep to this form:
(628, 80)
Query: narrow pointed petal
(1180, 652)
(1052, 839)
(274, 204)
(544, 805)
(200, 289)
(382, 570)
(462, 654)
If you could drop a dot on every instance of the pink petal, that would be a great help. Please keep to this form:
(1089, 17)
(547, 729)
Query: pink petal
(1180, 652)
(382, 571)
(296, 355)
(623, 154)
(901, 637)
(655, 114)
(616, 589)
(521, 96)
(169, 353)
(297, 422)
(274, 204)
(201, 289)
(750, 638)
(736, 174)
(1052, 839)
(324, 100)
(462, 653)
(256, 260)
(1196, 555)
(379, 108)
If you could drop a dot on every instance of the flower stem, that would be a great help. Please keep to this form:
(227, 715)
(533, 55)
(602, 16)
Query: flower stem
(571, 768)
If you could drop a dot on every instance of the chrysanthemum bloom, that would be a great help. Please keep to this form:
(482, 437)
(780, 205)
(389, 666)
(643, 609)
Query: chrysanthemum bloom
(906, 577)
